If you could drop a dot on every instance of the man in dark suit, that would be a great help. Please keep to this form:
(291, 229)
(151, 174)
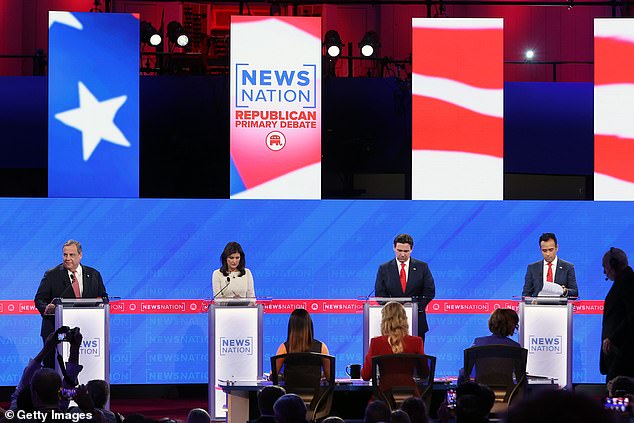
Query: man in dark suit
(551, 269)
(67, 280)
(617, 328)
(406, 277)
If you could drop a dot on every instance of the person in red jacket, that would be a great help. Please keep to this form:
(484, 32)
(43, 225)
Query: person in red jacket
(394, 337)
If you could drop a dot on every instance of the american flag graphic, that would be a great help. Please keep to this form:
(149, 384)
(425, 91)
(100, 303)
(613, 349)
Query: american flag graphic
(613, 109)
(457, 109)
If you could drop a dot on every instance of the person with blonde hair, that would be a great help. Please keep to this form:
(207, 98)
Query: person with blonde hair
(394, 339)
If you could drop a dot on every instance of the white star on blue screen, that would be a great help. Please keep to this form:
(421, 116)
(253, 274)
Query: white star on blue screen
(95, 120)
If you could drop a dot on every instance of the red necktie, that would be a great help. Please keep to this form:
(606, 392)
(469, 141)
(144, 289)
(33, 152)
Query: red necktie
(403, 277)
(549, 275)
(76, 286)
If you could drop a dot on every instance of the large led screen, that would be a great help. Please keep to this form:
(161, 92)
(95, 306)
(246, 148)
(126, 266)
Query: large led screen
(457, 109)
(613, 109)
(158, 256)
(275, 106)
(93, 105)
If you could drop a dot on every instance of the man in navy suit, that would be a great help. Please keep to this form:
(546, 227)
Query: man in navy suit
(551, 269)
(406, 277)
(67, 280)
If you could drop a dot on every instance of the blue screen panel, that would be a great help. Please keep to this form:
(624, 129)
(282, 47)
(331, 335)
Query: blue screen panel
(163, 249)
(93, 113)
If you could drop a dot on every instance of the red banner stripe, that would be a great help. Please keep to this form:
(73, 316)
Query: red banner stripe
(315, 306)
(614, 61)
(446, 127)
(612, 157)
(474, 57)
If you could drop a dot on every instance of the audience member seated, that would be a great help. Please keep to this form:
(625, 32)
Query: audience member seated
(559, 406)
(266, 399)
(99, 391)
(621, 385)
(377, 411)
(300, 338)
(502, 325)
(73, 368)
(399, 416)
(198, 415)
(45, 387)
(415, 409)
(394, 337)
(333, 419)
(473, 404)
(290, 408)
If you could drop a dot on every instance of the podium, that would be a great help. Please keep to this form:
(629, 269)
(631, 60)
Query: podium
(546, 332)
(92, 317)
(372, 317)
(235, 347)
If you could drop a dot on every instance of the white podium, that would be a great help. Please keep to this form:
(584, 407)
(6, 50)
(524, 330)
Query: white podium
(546, 332)
(92, 317)
(235, 347)
(372, 317)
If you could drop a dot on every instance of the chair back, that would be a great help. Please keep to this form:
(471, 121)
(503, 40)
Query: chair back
(501, 367)
(301, 374)
(396, 377)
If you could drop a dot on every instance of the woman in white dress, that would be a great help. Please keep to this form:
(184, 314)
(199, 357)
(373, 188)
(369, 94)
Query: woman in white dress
(233, 279)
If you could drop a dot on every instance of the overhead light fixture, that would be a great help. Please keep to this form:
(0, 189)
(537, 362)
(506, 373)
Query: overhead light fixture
(333, 43)
(176, 34)
(149, 34)
(529, 55)
(370, 44)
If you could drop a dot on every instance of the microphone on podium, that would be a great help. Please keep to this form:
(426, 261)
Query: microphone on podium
(223, 288)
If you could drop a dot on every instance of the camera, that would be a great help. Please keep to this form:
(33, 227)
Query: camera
(66, 334)
(67, 393)
(451, 399)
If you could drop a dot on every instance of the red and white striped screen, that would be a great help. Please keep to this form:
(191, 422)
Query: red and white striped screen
(457, 109)
(613, 109)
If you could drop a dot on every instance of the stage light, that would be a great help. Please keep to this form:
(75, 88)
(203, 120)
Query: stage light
(333, 43)
(176, 34)
(149, 34)
(529, 55)
(369, 44)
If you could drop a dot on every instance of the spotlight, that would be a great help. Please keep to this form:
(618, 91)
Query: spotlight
(333, 43)
(176, 34)
(149, 34)
(529, 55)
(369, 44)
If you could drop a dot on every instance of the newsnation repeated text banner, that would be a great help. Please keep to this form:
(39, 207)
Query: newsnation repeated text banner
(275, 107)
(613, 109)
(457, 109)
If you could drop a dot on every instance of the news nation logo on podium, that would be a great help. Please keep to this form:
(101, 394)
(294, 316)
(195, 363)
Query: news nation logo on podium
(275, 107)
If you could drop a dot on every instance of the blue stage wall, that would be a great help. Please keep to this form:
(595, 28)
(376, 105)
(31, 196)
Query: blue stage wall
(154, 249)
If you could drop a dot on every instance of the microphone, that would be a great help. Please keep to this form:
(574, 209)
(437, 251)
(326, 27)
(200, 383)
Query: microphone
(70, 285)
(223, 288)
(371, 293)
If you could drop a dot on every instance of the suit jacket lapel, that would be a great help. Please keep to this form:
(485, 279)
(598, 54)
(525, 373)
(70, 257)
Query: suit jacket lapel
(559, 273)
(540, 280)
